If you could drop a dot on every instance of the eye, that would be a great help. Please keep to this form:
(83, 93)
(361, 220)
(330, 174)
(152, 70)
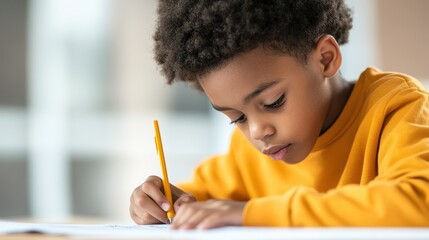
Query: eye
(278, 103)
(241, 119)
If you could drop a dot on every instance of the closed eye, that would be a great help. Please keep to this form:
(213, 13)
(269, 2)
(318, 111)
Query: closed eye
(241, 119)
(278, 103)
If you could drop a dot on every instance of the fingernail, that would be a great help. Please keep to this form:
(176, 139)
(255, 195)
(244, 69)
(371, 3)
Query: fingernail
(165, 206)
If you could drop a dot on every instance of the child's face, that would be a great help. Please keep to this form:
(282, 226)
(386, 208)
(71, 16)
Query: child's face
(279, 103)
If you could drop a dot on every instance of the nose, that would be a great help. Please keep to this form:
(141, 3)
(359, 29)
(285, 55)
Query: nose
(260, 129)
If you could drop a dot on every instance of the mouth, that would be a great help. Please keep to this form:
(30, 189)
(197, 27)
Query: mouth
(277, 152)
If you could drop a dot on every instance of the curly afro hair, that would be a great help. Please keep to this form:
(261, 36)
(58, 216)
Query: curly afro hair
(194, 37)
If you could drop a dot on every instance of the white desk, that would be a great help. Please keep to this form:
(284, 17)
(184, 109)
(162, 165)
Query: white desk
(150, 232)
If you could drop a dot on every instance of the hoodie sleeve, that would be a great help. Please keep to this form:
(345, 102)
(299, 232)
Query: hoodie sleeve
(218, 177)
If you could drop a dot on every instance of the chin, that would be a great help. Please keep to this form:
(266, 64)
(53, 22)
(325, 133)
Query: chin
(292, 160)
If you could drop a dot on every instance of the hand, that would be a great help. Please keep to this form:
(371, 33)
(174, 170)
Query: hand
(148, 205)
(209, 214)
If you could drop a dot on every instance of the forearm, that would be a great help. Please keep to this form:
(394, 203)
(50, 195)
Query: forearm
(384, 203)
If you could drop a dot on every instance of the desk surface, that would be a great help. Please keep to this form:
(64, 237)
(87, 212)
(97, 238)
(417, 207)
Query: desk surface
(34, 237)
(38, 236)
(49, 237)
(159, 232)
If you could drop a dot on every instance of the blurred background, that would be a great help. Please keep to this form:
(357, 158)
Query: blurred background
(79, 89)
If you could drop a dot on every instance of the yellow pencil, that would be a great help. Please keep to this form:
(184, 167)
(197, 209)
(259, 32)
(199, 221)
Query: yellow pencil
(165, 182)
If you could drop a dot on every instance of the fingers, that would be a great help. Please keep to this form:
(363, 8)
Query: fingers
(153, 188)
(145, 220)
(144, 211)
(209, 214)
(188, 217)
(148, 204)
(147, 201)
(185, 198)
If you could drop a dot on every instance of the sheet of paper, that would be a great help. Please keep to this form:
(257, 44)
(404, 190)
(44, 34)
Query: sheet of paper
(248, 233)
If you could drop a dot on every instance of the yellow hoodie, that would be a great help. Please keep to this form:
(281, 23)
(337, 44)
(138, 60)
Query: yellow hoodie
(370, 168)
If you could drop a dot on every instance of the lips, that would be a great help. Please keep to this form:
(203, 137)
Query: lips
(277, 152)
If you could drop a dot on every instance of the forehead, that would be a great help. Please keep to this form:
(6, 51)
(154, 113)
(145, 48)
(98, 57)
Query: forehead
(245, 72)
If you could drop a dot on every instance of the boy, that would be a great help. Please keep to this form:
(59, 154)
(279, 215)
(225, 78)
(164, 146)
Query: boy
(310, 148)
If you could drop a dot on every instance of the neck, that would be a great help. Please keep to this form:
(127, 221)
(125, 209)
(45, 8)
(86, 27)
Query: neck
(341, 91)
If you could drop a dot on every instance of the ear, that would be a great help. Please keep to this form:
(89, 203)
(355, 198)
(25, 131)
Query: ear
(328, 55)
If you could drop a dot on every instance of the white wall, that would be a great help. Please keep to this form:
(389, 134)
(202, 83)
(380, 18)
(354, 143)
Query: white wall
(362, 49)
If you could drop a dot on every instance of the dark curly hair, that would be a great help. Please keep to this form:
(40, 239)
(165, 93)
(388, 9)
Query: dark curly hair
(194, 37)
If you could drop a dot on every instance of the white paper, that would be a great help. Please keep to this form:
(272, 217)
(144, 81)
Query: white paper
(248, 233)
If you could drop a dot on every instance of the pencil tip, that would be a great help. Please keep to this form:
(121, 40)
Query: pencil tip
(170, 220)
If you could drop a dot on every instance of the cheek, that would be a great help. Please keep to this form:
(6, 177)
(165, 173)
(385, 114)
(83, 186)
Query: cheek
(305, 119)
(293, 127)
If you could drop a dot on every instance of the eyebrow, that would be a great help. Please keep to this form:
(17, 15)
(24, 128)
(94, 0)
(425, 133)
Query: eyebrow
(258, 90)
